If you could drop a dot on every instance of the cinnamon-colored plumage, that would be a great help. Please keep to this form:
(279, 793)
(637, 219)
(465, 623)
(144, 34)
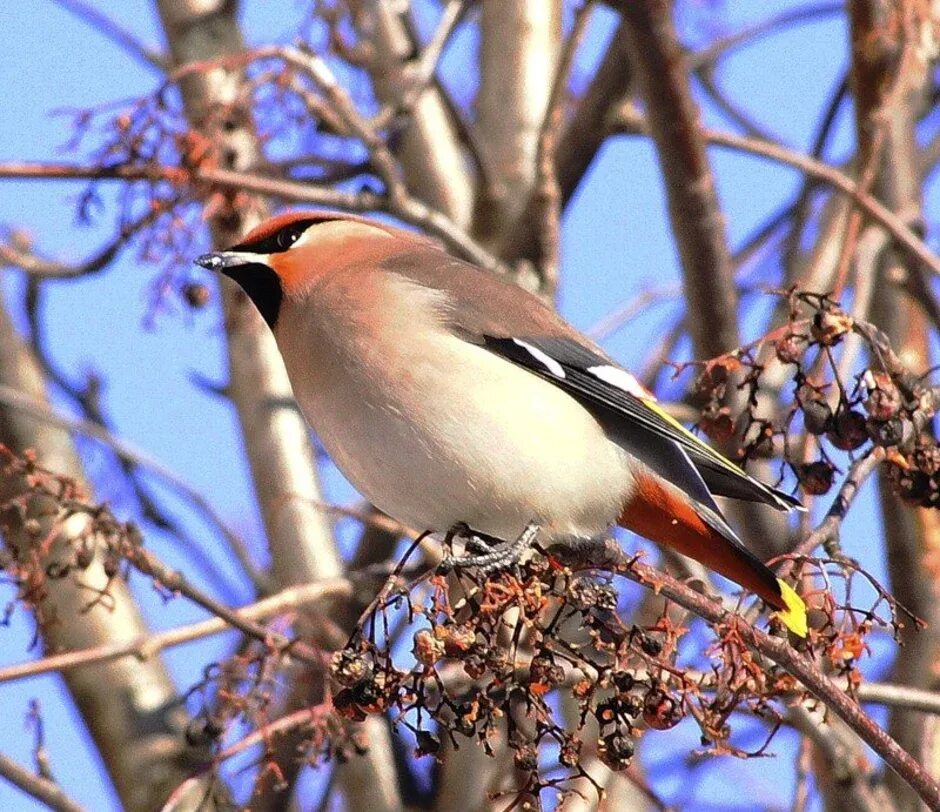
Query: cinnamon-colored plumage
(660, 514)
(449, 396)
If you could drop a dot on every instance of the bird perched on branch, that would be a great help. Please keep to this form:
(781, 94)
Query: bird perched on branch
(448, 397)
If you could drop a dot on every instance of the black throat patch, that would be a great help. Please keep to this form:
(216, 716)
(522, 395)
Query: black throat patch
(262, 286)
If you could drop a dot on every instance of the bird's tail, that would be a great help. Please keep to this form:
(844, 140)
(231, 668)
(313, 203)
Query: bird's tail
(661, 514)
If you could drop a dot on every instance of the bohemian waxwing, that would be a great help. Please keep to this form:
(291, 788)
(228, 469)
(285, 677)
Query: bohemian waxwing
(448, 396)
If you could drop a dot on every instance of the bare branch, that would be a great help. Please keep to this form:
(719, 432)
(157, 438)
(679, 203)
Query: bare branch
(519, 49)
(697, 224)
(148, 645)
(108, 28)
(580, 142)
(890, 74)
(409, 209)
(429, 147)
(546, 190)
(379, 153)
(722, 46)
(13, 255)
(895, 225)
(42, 789)
(421, 74)
(827, 532)
(845, 775)
(900, 696)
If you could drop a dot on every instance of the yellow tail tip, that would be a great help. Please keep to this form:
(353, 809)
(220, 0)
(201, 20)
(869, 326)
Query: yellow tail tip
(794, 616)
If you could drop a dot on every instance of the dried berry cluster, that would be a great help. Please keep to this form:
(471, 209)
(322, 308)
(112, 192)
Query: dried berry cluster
(151, 139)
(489, 661)
(881, 406)
(37, 504)
(246, 690)
(486, 657)
(166, 162)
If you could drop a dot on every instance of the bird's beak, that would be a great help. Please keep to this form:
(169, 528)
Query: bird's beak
(225, 261)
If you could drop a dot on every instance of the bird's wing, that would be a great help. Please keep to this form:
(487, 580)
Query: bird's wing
(507, 320)
(530, 334)
(632, 414)
(670, 452)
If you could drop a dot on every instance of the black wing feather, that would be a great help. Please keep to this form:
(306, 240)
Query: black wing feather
(568, 365)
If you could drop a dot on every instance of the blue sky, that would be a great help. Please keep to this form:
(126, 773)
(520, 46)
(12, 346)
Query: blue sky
(616, 242)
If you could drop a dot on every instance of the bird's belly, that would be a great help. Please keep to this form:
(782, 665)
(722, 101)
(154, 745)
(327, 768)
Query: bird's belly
(469, 437)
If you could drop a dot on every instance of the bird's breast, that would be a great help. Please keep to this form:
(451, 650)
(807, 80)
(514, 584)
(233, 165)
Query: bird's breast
(435, 430)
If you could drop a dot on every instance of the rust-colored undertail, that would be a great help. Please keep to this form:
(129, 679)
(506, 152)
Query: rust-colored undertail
(661, 514)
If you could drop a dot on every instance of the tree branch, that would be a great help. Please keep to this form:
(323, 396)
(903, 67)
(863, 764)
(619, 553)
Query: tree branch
(42, 789)
(131, 712)
(695, 214)
(519, 46)
(581, 139)
(146, 646)
(428, 146)
(608, 555)
(124, 39)
(408, 209)
(900, 230)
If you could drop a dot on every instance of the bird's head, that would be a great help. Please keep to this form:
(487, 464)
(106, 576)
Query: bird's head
(284, 255)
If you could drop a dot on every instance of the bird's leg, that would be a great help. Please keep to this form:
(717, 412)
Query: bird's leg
(489, 554)
(480, 543)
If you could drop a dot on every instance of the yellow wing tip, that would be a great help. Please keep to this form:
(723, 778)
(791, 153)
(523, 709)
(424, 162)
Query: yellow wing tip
(794, 616)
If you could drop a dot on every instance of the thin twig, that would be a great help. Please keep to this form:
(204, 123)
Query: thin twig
(421, 73)
(104, 25)
(175, 581)
(838, 180)
(87, 397)
(14, 399)
(722, 46)
(148, 645)
(821, 139)
(826, 532)
(580, 143)
(13, 255)
(380, 156)
(694, 211)
(42, 789)
(900, 696)
(546, 163)
(618, 318)
(285, 724)
(845, 765)
(734, 112)
(409, 209)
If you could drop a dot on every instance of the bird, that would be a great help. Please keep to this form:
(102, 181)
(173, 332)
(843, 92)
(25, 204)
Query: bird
(451, 397)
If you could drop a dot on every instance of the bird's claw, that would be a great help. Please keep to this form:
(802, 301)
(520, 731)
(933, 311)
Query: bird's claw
(489, 558)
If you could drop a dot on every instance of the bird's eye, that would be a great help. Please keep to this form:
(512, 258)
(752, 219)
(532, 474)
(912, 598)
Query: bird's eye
(287, 237)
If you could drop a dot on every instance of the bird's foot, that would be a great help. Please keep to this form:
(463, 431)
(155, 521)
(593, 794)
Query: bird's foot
(488, 555)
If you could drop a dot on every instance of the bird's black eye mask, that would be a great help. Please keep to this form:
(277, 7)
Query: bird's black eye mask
(280, 240)
(258, 279)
